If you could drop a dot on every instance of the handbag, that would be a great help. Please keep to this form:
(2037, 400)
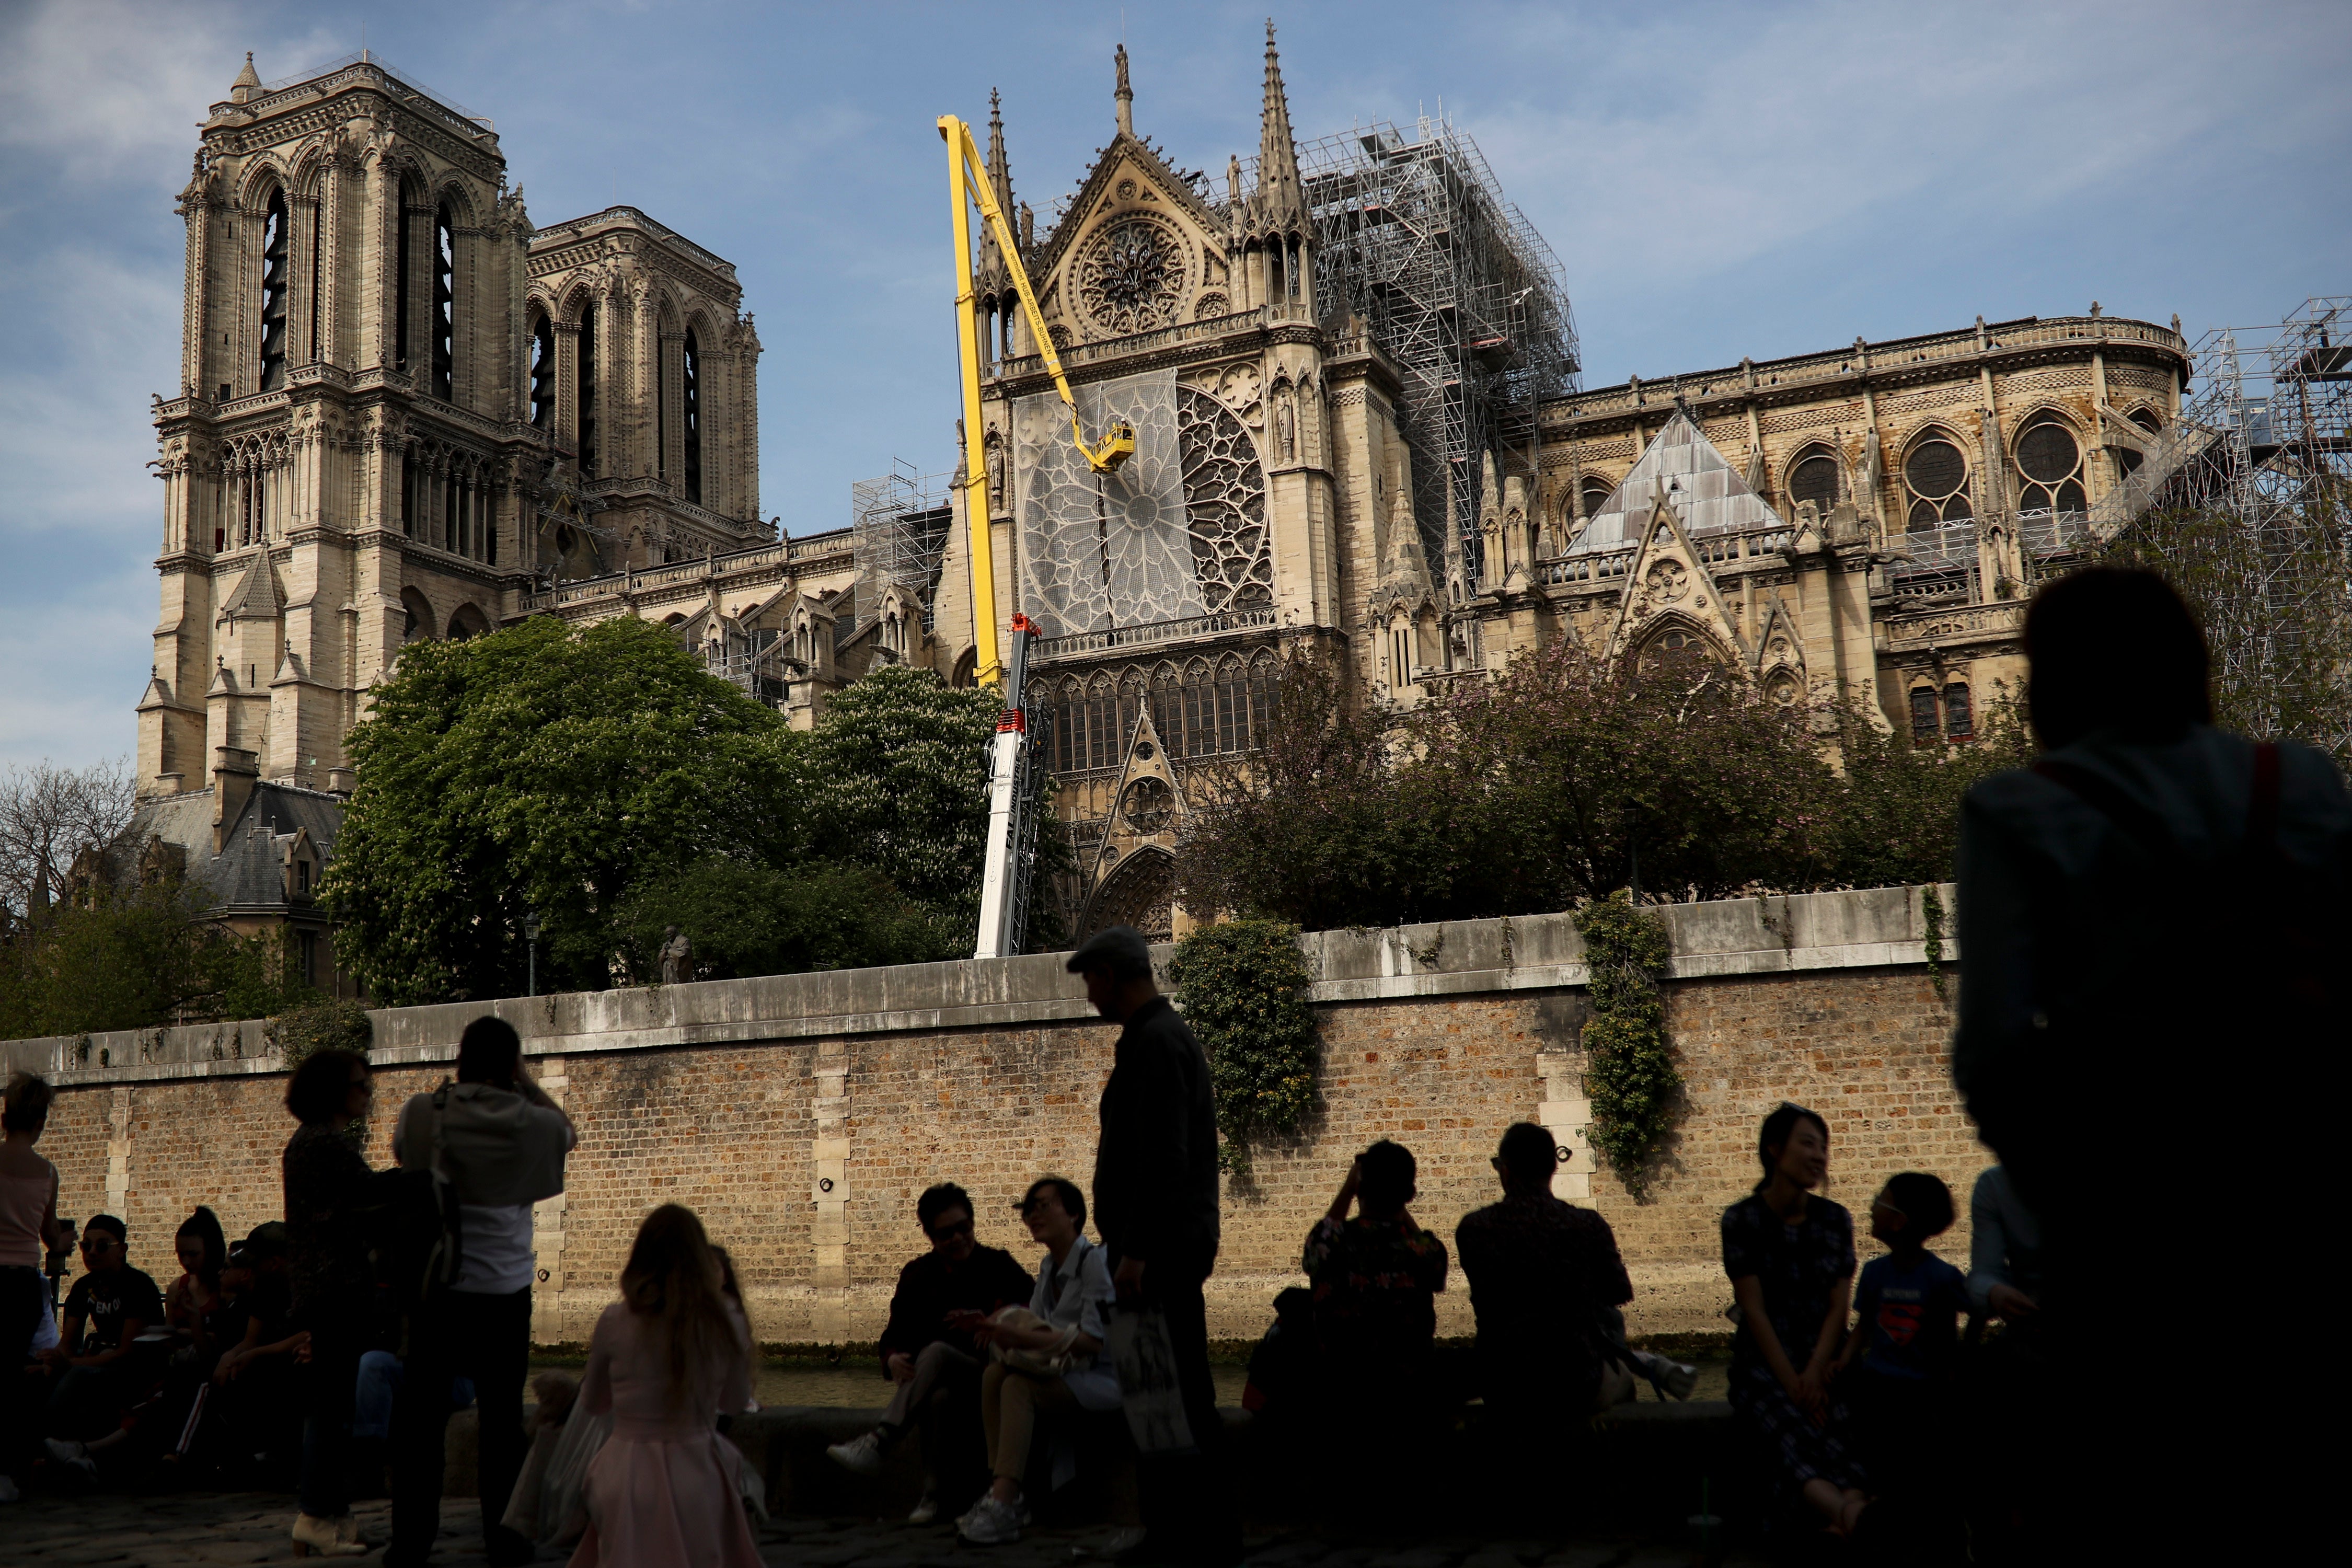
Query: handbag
(1149, 1391)
(1052, 1363)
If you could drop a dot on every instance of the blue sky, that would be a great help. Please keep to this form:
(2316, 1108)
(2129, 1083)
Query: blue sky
(1718, 180)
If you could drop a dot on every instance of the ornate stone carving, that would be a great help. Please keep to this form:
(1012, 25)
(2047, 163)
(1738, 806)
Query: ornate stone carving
(1131, 277)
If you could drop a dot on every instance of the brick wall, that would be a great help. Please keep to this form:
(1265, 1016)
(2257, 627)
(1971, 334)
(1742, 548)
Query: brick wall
(742, 1102)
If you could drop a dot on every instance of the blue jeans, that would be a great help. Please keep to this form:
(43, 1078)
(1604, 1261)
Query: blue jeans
(378, 1382)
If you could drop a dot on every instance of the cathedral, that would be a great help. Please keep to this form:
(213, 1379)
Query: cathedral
(406, 413)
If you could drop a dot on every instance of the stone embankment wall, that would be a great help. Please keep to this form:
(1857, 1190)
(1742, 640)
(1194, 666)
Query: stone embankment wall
(800, 1115)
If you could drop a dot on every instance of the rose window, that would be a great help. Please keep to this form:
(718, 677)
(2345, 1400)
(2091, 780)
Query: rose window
(1131, 277)
(1938, 477)
(1150, 806)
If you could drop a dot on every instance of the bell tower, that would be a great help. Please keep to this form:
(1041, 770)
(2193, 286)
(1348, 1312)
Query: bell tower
(344, 458)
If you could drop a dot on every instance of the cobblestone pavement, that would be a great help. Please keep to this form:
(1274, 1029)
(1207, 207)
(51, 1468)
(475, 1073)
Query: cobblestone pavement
(251, 1527)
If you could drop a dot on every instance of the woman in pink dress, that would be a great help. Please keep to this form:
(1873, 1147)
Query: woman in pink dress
(664, 1359)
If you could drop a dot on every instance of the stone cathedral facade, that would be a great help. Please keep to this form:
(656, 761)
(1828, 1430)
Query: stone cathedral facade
(407, 413)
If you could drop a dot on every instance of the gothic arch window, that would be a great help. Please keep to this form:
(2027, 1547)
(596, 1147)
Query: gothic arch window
(1927, 725)
(1225, 505)
(445, 304)
(467, 622)
(1814, 476)
(691, 404)
(2049, 466)
(402, 284)
(584, 398)
(1960, 714)
(543, 373)
(2127, 462)
(966, 672)
(273, 292)
(1596, 493)
(1936, 482)
(417, 617)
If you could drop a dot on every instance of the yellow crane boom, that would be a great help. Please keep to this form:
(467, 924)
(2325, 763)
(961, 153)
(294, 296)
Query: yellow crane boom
(968, 186)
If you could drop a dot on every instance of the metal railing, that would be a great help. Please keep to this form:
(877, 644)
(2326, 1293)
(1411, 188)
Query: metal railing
(2048, 533)
(1152, 633)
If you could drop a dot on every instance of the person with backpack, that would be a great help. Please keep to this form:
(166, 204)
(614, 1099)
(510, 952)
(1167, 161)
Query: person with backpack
(495, 1145)
(330, 1201)
(2156, 912)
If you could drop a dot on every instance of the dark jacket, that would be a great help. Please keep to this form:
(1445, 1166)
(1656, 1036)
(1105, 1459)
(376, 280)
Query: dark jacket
(1156, 1165)
(929, 1288)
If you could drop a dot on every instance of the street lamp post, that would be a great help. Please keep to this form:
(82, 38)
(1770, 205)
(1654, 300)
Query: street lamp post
(530, 935)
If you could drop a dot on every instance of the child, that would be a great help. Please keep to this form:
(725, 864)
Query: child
(1907, 1338)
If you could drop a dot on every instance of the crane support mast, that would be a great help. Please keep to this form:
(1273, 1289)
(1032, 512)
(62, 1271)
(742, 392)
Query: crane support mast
(1012, 849)
(968, 187)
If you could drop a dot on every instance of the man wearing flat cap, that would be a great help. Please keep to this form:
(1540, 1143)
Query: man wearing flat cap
(1155, 1203)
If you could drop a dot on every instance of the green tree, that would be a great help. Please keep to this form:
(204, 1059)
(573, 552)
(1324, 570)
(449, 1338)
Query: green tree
(540, 768)
(1895, 816)
(1314, 826)
(748, 918)
(137, 958)
(895, 778)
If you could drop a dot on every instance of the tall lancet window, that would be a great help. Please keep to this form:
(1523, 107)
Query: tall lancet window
(273, 293)
(692, 399)
(401, 287)
(587, 392)
(445, 305)
(543, 375)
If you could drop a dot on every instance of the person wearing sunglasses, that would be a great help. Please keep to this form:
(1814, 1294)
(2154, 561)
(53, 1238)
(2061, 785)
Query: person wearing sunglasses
(928, 1350)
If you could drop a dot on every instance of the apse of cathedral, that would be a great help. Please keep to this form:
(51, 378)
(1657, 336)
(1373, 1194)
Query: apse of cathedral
(407, 413)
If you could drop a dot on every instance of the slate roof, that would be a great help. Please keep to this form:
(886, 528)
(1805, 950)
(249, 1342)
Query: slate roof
(1706, 493)
(249, 874)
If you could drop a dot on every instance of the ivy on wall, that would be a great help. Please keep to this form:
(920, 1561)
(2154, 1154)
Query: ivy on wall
(329, 1024)
(1242, 989)
(1629, 1074)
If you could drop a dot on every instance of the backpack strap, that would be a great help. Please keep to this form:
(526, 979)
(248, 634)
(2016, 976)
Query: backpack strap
(2263, 808)
(2141, 827)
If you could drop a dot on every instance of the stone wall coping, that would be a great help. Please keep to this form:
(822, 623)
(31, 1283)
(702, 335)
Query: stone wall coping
(1858, 929)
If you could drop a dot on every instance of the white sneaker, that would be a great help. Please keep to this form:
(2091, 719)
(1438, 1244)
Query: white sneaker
(990, 1522)
(73, 1453)
(1670, 1378)
(861, 1455)
(926, 1510)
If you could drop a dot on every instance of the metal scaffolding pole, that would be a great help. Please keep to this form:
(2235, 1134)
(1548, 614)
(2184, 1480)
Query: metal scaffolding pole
(1459, 290)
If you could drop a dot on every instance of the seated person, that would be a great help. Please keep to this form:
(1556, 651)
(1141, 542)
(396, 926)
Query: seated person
(255, 1378)
(1544, 1276)
(935, 1361)
(1375, 1277)
(195, 1306)
(100, 1368)
(1065, 1327)
(1282, 1367)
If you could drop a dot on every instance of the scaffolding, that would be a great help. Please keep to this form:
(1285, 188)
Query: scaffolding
(1458, 289)
(898, 534)
(2263, 450)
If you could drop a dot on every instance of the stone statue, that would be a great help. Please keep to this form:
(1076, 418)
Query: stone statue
(676, 957)
(1287, 423)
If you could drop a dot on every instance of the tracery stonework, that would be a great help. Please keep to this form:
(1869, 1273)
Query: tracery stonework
(1132, 276)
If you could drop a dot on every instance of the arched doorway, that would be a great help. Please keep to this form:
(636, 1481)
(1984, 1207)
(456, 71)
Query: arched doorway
(1140, 892)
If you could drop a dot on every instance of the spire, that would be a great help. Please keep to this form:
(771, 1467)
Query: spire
(1279, 201)
(1125, 97)
(1000, 183)
(247, 82)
